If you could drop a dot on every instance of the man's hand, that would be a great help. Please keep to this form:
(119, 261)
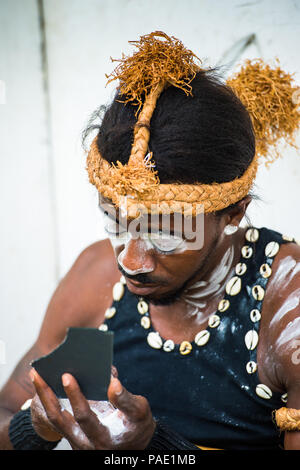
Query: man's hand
(129, 425)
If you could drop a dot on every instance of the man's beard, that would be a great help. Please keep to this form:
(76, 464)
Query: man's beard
(170, 297)
(167, 299)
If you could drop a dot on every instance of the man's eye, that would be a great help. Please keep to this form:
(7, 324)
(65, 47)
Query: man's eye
(165, 243)
(114, 229)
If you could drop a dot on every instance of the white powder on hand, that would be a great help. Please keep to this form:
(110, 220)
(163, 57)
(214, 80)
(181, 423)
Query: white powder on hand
(106, 413)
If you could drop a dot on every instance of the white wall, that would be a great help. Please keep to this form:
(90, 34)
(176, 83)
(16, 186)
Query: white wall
(49, 211)
(27, 272)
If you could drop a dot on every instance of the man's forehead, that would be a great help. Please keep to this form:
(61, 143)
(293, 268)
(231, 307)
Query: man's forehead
(119, 213)
(176, 223)
(106, 205)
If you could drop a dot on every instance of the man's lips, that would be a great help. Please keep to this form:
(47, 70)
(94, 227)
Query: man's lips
(139, 284)
(139, 287)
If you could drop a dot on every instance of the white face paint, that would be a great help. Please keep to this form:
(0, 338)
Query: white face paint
(161, 242)
(170, 244)
(143, 268)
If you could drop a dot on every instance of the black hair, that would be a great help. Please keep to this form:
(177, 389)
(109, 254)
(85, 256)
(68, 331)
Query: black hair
(204, 138)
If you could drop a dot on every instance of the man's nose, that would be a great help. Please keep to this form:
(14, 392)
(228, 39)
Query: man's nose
(136, 258)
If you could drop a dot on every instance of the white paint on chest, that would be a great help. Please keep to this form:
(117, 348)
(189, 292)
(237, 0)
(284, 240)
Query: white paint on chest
(290, 304)
(213, 285)
(290, 333)
(287, 269)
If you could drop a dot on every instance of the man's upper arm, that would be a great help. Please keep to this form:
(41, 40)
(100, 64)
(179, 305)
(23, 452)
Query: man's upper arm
(285, 339)
(79, 300)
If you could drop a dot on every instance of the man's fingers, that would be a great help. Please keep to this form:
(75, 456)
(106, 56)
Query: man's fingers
(60, 419)
(83, 414)
(135, 407)
(114, 371)
(47, 397)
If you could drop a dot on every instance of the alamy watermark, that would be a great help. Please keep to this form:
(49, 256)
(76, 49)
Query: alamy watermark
(185, 226)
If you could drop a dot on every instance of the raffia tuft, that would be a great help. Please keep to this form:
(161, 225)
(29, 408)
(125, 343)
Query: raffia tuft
(159, 58)
(267, 93)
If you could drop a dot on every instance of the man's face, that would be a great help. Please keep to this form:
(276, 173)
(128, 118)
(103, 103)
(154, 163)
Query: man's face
(159, 264)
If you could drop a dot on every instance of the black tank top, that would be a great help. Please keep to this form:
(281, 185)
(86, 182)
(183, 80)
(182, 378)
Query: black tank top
(211, 396)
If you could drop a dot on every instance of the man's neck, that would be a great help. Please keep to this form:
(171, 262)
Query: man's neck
(204, 291)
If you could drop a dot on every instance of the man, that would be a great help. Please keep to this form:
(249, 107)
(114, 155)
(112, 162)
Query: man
(206, 333)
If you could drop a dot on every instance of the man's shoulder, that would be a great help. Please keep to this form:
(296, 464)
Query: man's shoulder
(281, 322)
(287, 257)
(285, 277)
(286, 264)
(100, 251)
(96, 266)
(86, 290)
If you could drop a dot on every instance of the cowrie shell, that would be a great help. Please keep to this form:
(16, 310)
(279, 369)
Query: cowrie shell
(251, 339)
(142, 307)
(252, 235)
(251, 367)
(202, 337)
(118, 291)
(103, 327)
(247, 251)
(168, 345)
(123, 280)
(214, 321)
(154, 340)
(223, 305)
(145, 322)
(258, 292)
(265, 270)
(234, 285)
(240, 269)
(287, 238)
(110, 312)
(284, 398)
(255, 315)
(263, 391)
(272, 249)
(185, 348)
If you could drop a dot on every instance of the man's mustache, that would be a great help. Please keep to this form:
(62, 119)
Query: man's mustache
(141, 277)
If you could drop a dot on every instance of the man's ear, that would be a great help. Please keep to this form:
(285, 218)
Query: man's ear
(235, 216)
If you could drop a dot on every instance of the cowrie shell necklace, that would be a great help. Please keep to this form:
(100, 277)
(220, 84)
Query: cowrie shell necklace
(232, 288)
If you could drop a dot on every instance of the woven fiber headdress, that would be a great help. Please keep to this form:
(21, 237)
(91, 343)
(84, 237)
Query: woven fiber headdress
(163, 61)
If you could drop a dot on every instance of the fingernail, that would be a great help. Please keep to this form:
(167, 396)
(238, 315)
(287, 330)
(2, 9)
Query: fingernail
(118, 387)
(65, 380)
(32, 375)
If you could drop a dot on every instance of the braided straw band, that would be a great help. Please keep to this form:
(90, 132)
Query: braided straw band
(288, 419)
(140, 195)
